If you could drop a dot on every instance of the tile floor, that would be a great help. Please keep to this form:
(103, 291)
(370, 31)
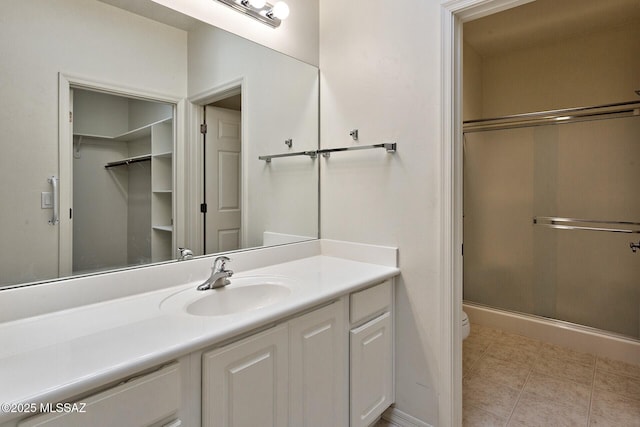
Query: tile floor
(511, 380)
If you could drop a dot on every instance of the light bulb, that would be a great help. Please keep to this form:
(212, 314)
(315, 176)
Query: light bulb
(258, 4)
(280, 10)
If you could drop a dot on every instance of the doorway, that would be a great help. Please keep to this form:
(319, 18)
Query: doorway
(112, 129)
(567, 148)
(221, 178)
(122, 185)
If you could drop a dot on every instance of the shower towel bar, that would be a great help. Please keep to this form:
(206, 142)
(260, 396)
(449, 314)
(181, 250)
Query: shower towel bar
(326, 152)
(311, 154)
(568, 115)
(575, 224)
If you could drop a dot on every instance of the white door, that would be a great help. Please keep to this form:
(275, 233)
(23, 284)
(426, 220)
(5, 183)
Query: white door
(245, 384)
(318, 368)
(222, 179)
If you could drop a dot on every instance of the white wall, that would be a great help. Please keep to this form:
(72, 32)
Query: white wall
(380, 72)
(100, 221)
(39, 39)
(143, 113)
(139, 214)
(296, 36)
(280, 101)
(99, 114)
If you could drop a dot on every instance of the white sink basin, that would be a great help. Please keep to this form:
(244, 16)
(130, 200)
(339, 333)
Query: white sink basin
(242, 295)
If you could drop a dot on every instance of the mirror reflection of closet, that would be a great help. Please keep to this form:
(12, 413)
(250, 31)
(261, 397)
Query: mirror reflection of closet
(122, 181)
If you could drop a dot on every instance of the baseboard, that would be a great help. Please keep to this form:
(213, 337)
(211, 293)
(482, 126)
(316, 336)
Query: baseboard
(575, 337)
(402, 419)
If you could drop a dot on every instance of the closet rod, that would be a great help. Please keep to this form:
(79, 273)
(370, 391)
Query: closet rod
(145, 158)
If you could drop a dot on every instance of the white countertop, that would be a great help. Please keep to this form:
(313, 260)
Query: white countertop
(52, 357)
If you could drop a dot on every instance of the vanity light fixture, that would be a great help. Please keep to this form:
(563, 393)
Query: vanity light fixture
(267, 13)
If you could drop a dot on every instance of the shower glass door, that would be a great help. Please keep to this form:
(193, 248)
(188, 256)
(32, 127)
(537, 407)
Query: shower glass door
(550, 211)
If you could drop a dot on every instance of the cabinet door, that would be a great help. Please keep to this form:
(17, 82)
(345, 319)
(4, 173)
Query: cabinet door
(245, 384)
(318, 363)
(371, 370)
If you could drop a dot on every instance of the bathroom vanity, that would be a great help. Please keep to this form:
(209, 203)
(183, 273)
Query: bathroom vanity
(303, 335)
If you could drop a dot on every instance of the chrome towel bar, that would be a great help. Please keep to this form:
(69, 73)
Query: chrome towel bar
(391, 147)
(311, 154)
(587, 224)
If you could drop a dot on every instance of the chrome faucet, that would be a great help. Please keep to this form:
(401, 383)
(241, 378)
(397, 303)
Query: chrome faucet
(219, 275)
(185, 254)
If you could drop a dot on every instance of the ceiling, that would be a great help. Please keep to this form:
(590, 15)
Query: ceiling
(546, 21)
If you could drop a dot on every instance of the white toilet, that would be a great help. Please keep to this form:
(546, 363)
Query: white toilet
(466, 328)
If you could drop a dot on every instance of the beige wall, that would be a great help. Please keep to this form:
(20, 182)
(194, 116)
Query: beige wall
(587, 70)
(471, 83)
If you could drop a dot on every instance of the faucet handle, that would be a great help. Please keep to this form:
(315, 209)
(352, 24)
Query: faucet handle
(185, 254)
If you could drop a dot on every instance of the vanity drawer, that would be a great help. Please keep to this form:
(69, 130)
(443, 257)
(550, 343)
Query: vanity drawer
(369, 302)
(141, 401)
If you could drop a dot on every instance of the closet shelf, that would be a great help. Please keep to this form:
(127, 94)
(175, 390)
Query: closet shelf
(128, 161)
(168, 228)
(163, 191)
(90, 135)
(140, 132)
(167, 154)
(127, 136)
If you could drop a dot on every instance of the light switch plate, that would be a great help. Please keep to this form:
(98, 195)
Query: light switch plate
(46, 200)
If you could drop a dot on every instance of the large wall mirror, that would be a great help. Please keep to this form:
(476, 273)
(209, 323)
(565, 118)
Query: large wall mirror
(106, 164)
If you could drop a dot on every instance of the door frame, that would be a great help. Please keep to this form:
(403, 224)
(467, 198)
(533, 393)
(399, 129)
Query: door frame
(195, 188)
(67, 82)
(454, 13)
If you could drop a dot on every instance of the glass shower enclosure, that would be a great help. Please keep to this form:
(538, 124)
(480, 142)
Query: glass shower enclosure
(552, 215)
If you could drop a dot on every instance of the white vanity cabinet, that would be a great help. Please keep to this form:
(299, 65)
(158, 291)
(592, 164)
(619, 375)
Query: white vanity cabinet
(245, 384)
(371, 354)
(293, 374)
(318, 368)
(148, 400)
